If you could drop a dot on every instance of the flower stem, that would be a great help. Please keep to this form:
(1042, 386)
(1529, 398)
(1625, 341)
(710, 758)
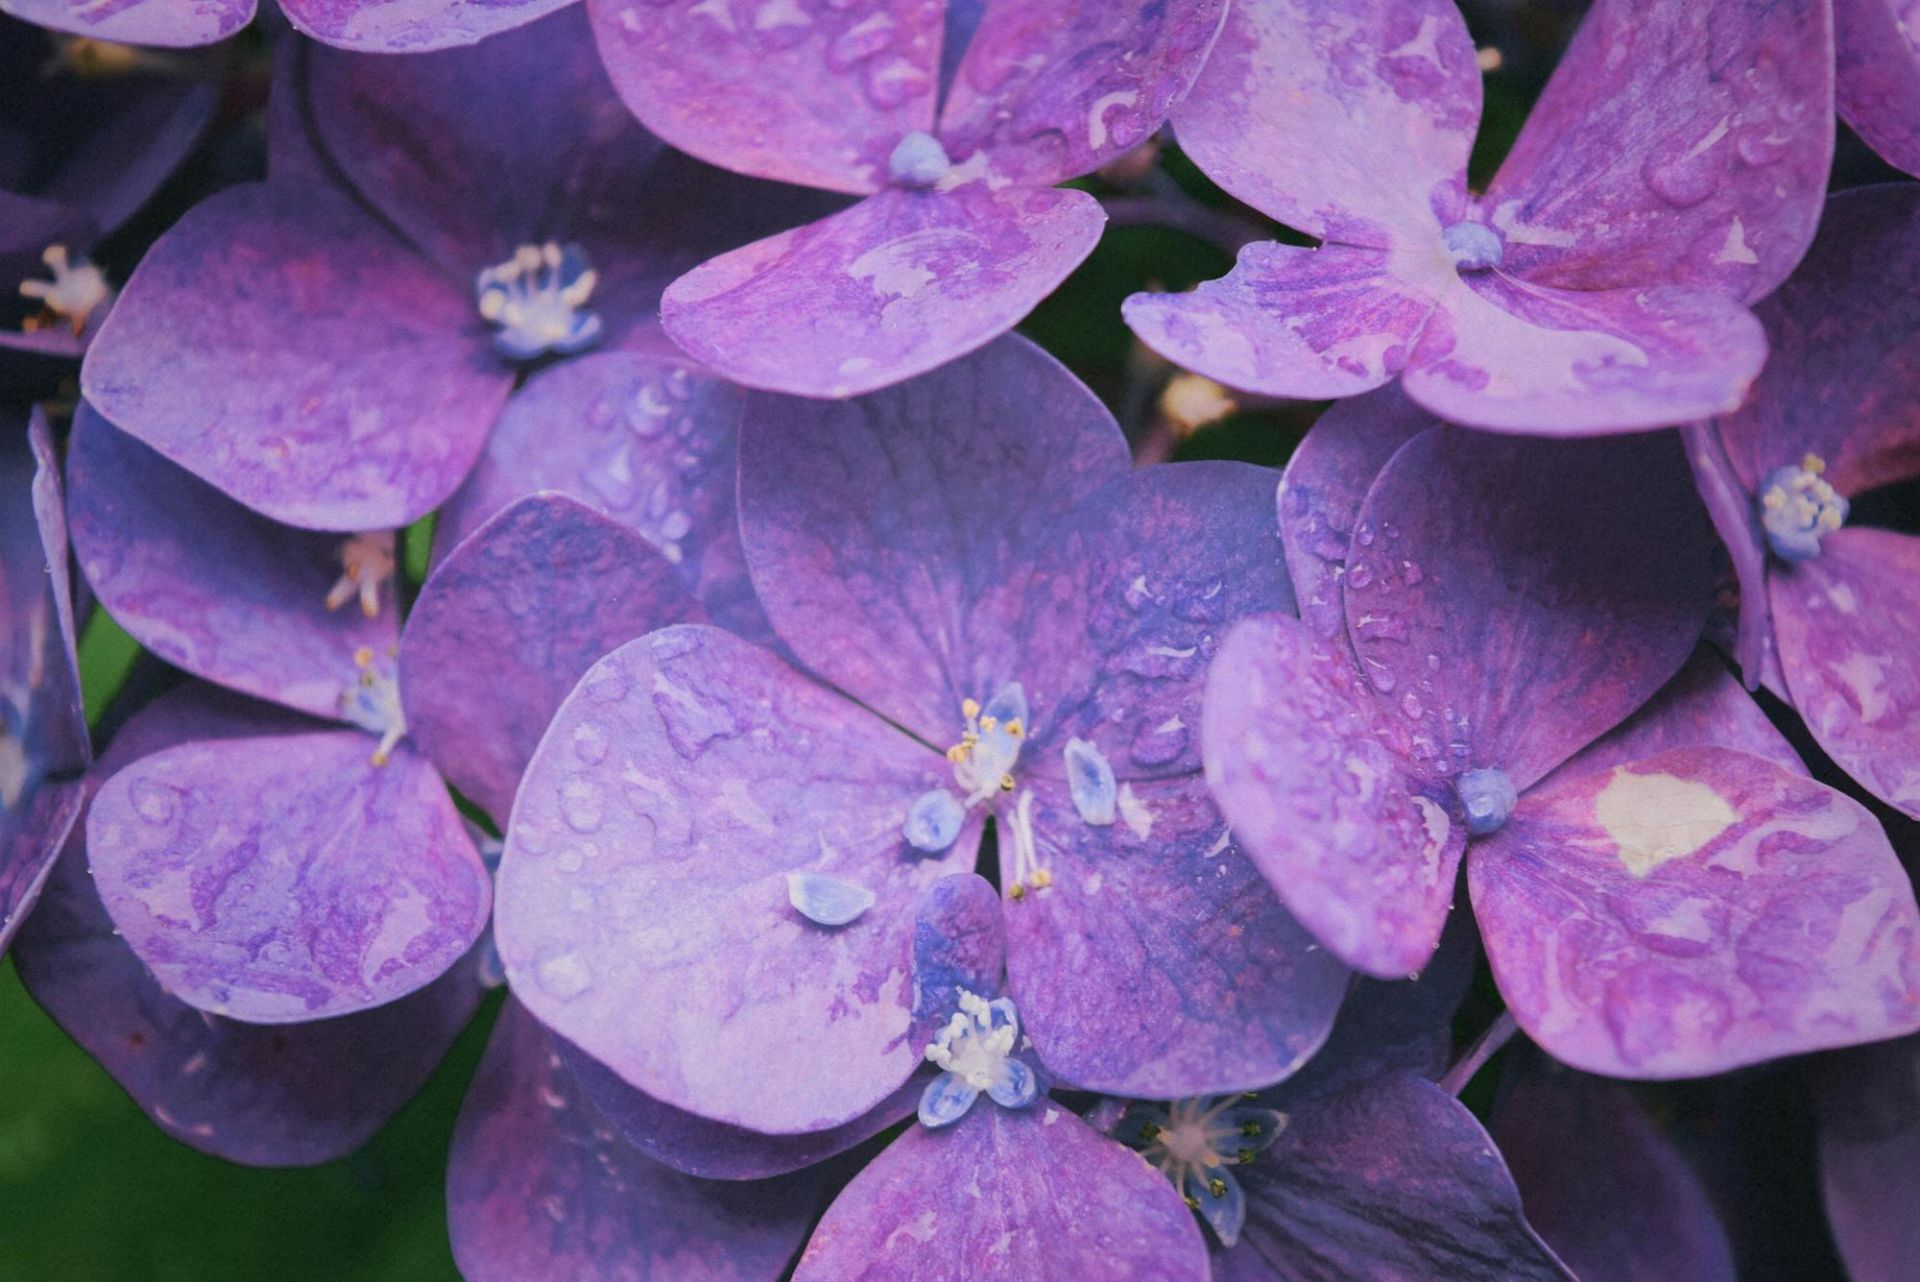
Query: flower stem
(1483, 1049)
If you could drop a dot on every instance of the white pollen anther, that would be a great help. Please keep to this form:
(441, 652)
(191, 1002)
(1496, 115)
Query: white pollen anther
(372, 702)
(78, 289)
(366, 562)
(538, 300)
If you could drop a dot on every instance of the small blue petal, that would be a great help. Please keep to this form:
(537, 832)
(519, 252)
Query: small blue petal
(827, 900)
(1254, 1129)
(1489, 797)
(1018, 1086)
(1222, 1203)
(918, 160)
(945, 1101)
(1474, 246)
(1090, 779)
(1009, 703)
(934, 821)
(1140, 1124)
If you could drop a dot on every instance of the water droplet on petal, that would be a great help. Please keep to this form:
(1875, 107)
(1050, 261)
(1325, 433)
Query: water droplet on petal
(153, 802)
(564, 977)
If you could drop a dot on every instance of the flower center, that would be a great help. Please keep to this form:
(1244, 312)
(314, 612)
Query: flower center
(1475, 247)
(77, 290)
(1489, 797)
(366, 562)
(372, 702)
(975, 1050)
(91, 59)
(538, 300)
(1194, 1142)
(918, 160)
(1798, 507)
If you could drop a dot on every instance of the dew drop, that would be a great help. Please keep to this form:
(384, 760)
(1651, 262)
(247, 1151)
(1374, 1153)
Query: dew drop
(564, 977)
(581, 805)
(153, 802)
(589, 745)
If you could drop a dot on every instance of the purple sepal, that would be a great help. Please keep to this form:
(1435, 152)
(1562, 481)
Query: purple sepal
(1869, 1107)
(1006, 1193)
(959, 945)
(1877, 80)
(540, 1186)
(169, 24)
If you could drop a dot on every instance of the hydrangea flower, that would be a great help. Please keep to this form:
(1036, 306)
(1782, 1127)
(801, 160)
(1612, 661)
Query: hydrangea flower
(1877, 75)
(43, 732)
(979, 592)
(953, 122)
(1598, 285)
(334, 356)
(1827, 608)
(1671, 899)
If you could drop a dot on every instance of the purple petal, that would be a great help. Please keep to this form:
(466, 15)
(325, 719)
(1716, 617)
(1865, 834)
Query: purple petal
(284, 878)
(816, 95)
(1032, 1193)
(1159, 963)
(1869, 1100)
(167, 23)
(1844, 622)
(1511, 356)
(509, 622)
(1736, 519)
(416, 26)
(282, 346)
(1609, 1193)
(891, 537)
(1302, 323)
(1298, 754)
(1325, 483)
(1054, 92)
(1877, 78)
(899, 284)
(1392, 1181)
(959, 945)
(643, 910)
(1693, 912)
(648, 440)
(1351, 123)
(207, 584)
(1514, 600)
(538, 1186)
(1675, 145)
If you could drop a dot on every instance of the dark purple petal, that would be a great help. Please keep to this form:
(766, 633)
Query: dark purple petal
(207, 584)
(647, 439)
(1028, 1193)
(1056, 91)
(1693, 912)
(1869, 1101)
(1736, 518)
(284, 878)
(1675, 145)
(1326, 481)
(284, 347)
(1350, 122)
(1514, 600)
(1845, 625)
(539, 1186)
(1304, 762)
(168, 23)
(416, 26)
(643, 911)
(1159, 963)
(1605, 1189)
(892, 537)
(1303, 323)
(959, 945)
(1877, 80)
(897, 285)
(1512, 356)
(815, 94)
(510, 621)
(1392, 1181)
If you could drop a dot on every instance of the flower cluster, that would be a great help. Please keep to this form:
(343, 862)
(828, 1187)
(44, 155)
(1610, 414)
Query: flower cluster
(604, 564)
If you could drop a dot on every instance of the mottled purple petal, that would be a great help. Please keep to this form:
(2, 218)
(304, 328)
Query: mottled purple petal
(1508, 355)
(284, 347)
(1392, 1181)
(1032, 1193)
(509, 622)
(168, 23)
(416, 26)
(1877, 77)
(650, 441)
(814, 93)
(1303, 323)
(1676, 144)
(285, 878)
(1359, 847)
(1693, 912)
(1869, 1102)
(207, 584)
(643, 909)
(1351, 122)
(1055, 91)
(1159, 963)
(1513, 600)
(959, 944)
(539, 1186)
(892, 537)
(1844, 622)
(897, 285)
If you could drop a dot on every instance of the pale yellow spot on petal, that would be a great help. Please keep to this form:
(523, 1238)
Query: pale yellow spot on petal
(1656, 818)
